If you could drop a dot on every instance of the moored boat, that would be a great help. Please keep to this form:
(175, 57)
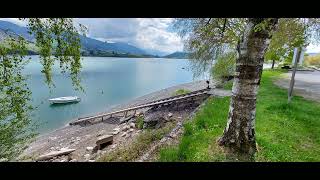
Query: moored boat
(62, 100)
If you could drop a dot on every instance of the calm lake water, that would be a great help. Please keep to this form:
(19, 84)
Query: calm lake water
(120, 79)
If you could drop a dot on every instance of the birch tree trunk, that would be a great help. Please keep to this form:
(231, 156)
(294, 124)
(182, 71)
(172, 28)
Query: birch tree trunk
(239, 135)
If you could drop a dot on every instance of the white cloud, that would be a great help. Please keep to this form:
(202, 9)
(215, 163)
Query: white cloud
(313, 49)
(150, 34)
(146, 33)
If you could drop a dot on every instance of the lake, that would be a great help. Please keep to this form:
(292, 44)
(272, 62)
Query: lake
(107, 81)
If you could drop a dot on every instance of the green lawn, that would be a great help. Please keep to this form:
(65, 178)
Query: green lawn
(284, 132)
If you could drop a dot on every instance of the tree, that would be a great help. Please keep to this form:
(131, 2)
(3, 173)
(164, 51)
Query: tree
(53, 36)
(239, 134)
(290, 34)
(210, 38)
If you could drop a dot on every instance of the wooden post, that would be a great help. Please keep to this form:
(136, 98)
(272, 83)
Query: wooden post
(294, 69)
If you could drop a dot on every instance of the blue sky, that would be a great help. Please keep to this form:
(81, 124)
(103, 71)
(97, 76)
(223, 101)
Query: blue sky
(151, 34)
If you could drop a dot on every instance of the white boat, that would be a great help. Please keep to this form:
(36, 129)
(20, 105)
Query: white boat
(67, 99)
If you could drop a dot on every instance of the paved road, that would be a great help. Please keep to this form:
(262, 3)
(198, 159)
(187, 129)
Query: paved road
(307, 84)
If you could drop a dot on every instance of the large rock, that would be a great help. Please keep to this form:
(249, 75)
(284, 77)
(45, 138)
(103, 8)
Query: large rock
(104, 140)
(52, 154)
(89, 149)
(132, 125)
(153, 120)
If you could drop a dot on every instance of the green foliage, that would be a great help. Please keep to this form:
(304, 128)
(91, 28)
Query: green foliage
(228, 85)
(181, 91)
(284, 132)
(58, 37)
(290, 34)
(200, 134)
(140, 122)
(312, 60)
(15, 96)
(56, 40)
(207, 38)
(224, 66)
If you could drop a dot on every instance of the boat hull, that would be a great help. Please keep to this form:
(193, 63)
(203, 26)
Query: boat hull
(64, 101)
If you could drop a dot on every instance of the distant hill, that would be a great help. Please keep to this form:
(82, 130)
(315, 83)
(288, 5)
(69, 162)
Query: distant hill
(89, 46)
(313, 54)
(178, 55)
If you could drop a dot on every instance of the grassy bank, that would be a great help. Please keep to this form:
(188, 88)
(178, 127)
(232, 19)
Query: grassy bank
(284, 132)
(135, 149)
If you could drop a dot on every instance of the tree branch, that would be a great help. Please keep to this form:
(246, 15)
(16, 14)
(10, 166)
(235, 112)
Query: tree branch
(208, 22)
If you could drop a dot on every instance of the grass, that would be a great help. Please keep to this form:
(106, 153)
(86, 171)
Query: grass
(138, 146)
(181, 91)
(140, 122)
(228, 85)
(284, 132)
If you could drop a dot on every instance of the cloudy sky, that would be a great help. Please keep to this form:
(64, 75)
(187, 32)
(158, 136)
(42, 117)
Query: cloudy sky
(152, 35)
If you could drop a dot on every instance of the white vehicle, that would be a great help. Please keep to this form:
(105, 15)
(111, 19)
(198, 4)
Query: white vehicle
(61, 100)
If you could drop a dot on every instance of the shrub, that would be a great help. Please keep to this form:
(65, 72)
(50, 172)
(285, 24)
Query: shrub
(181, 91)
(312, 60)
(140, 122)
(224, 66)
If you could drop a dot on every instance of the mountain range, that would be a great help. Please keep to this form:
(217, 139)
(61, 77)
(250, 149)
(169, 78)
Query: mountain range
(89, 46)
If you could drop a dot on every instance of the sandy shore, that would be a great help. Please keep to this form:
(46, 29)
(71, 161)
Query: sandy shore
(78, 137)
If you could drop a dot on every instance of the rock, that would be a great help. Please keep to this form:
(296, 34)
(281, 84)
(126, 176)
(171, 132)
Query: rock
(113, 146)
(116, 129)
(132, 125)
(128, 135)
(78, 138)
(89, 148)
(73, 160)
(115, 132)
(125, 128)
(100, 133)
(87, 156)
(170, 115)
(91, 160)
(179, 117)
(63, 151)
(138, 131)
(104, 140)
(131, 130)
(153, 120)
(133, 120)
(123, 134)
(52, 138)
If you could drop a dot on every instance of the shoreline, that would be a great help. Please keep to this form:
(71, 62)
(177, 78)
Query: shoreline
(64, 137)
(159, 94)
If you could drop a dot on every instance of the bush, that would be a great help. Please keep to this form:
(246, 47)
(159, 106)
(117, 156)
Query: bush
(140, 122)
(181, 91)
(224, 66)
(312, 60)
